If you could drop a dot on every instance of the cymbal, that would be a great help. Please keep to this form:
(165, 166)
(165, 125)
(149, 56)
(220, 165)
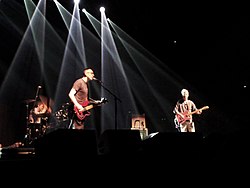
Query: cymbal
(29, 100)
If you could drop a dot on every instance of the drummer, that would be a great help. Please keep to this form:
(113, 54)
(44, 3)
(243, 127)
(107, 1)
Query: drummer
(40, 112)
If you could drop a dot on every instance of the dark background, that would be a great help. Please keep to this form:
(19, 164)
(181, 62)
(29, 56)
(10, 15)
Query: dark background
(207, 44)
(212, 40)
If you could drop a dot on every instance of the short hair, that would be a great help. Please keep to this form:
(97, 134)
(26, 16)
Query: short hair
(183, 91)
(84, 70)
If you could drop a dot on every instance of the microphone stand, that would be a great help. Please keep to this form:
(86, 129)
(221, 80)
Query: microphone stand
(115, 99)
(37, 95)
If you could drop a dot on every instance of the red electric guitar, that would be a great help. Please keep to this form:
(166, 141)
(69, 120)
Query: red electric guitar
(187, 115)
(86, 107)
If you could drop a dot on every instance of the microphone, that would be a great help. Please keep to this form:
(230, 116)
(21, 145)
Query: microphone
(97, 80)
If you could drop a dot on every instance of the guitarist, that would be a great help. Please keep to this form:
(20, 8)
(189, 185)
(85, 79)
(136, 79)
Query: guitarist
(79, 96)
(184, 106)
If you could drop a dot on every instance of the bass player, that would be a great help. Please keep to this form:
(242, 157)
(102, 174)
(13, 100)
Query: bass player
(79, 96)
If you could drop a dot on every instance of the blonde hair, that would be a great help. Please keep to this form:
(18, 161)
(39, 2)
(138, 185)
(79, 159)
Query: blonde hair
(183, 91)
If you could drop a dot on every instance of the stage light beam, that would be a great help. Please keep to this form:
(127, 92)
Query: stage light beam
(102, 9)
(76, 1)
(84, 10)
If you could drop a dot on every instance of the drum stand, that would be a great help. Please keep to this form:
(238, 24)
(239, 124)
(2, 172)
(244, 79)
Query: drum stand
(27, 140)
(28, 136)
(33, 130)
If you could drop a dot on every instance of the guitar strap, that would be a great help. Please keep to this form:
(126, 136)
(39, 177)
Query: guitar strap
(177, 125)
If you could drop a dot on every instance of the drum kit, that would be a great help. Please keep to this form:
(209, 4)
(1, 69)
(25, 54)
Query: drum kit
(40, 119)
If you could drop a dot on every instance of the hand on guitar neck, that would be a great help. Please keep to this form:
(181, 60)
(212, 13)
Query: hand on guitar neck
(181, 118)
(86, 106)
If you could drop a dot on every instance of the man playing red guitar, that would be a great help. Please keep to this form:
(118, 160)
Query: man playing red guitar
(183, 113)
(79, 96)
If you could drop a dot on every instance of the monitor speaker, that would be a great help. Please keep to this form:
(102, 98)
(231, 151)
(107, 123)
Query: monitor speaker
(67, 144)
(120, 142)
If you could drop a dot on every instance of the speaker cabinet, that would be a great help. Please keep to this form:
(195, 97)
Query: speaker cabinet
(173, 145)
(67, 144)
(120, 142)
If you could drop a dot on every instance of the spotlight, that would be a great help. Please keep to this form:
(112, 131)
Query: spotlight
(102, 9)
(84, 10)
(76, 1)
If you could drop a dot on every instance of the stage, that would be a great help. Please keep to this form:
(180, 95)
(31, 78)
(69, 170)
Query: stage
(119, 145)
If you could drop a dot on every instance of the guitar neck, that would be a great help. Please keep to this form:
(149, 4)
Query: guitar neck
(88, 107)
(194, 112)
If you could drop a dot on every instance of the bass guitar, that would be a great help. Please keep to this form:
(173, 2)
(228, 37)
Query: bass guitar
(187, 115)
(86, 107)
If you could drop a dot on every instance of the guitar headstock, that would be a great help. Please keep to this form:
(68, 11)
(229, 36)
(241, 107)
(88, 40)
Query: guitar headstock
(103, 100)
(204, 108)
